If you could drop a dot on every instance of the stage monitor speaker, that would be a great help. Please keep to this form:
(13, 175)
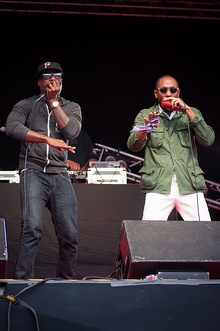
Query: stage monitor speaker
(3, 249)
(149, 247)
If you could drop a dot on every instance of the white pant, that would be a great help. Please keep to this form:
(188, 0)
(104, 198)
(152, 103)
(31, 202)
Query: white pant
(191, 207)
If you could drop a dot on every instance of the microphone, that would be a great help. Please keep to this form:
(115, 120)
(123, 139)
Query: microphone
(168, 106)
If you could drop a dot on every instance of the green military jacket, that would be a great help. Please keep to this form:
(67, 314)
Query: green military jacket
(172, 147)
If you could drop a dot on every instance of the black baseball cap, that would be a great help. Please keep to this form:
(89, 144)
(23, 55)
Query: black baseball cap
(48, 66)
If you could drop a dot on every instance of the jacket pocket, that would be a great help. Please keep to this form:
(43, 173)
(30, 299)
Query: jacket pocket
(184, 138)
(149, 177)
(155, 138)
(197, 178)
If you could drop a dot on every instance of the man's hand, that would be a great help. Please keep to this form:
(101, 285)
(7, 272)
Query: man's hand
(150, 124)
(52, 89)
(60, 144)
(73, 165)
(152, 115)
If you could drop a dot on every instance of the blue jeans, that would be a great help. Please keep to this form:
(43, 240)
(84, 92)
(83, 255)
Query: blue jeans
(55, 191)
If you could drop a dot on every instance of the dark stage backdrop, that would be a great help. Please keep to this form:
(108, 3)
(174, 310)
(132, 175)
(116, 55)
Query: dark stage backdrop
(111, 65)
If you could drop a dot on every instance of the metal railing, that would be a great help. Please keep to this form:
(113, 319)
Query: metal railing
(212, 195)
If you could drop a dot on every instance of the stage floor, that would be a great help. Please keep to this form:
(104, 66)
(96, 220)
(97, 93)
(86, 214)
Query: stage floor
(83, 271)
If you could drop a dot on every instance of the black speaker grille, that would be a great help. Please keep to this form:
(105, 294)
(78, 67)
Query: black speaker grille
(147, 247)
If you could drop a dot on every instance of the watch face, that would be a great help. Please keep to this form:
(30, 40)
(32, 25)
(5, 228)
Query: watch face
(55, 103)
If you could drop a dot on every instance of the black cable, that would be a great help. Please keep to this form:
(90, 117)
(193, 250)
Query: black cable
(197, 198)
(16, 300)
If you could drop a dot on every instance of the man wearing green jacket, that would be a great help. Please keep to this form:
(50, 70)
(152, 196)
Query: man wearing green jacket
(171, 176)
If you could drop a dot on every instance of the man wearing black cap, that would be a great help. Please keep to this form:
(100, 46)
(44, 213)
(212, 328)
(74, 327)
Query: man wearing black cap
(44, 124)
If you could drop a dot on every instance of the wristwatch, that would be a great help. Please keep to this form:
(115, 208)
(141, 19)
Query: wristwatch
(54, 104)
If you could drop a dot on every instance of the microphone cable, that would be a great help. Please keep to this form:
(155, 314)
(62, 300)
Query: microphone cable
(191, 149)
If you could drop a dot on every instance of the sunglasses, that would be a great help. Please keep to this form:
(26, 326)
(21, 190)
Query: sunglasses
(164, 89)
(49, 75)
